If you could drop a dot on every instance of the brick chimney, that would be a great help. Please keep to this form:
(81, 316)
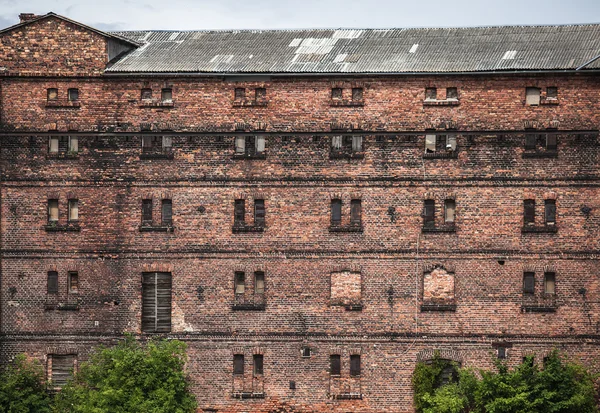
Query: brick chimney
(25, 17)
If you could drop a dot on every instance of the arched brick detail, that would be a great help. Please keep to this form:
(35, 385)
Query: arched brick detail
(549, 268)
(237, 350)
(447, 354)
(550, 195)
(258, 350)
(355, 351)
(529, 267)
(335, 195)
(157, 267)
(448, 267)
(53, 195)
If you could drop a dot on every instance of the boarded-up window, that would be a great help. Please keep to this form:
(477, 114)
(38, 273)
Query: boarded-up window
(260, 144)
(550, 211)
(238, 364)
(52, 94)
(240, 282)
(156, 302)
(528, 283)
(167, 212)
(73, 282)
(259, 212)
(451, 93)
(73, 144)
(258, 364)
(529, 211)
(260, 93)
(355, 212)
(62, 369)
(73, 94)
(357, 94)
(52, 210)
(438, 286)
(167, 95)
(551, 142)
(345, 287)
(259, 282)
(239, 93)
(430, 93)
(430, 143)
(550, 283)
(530, 141)
(429, 213)
(335, 365)
(147, 211)
(449, 211)
(532, 96)
(239, 214)
(146, 93)
(73, 210)
(355, 365)
(552, 92)
(336, 93)
(52, 286)
(336, 212)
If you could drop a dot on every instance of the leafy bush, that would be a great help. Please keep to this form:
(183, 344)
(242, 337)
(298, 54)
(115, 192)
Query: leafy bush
(22, 388)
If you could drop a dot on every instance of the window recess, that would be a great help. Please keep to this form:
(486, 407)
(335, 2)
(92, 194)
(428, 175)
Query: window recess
(157, 147)
(250, 147)
(347, 147)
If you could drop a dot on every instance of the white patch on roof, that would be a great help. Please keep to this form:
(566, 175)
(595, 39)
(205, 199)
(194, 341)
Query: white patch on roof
(222, 58)
(251, 56)
(413, 49)
(509, 55)
(174, 35)
(347, 34)
(316, 46)
(340, 58)
(295, 42)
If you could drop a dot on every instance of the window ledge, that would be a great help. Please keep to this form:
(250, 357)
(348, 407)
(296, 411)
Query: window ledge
(447, 102)
(346, 155)
(538, 308)
(70, 227)
(58, 104)
(249, 102)
(343, 102)
(347, 228)
(156, 104)
(261, 155)
(540, 154)
(248, 395)
(545, 229)
(157, 155)
(249, 307)
(347, 396)
(157, 228)
(247, 228)
(63, 155)
(440, 229)
(441, 155)
(438, 307)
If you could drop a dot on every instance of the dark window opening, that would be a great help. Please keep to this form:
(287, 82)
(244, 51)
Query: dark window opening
(429, 213)
(167, 95)
(73, 284)
(336, 212)
(147, 211)
(550, 211)
(260, 93)
(258, 364)
(238, 364)
(239, 93)
(146, 94)
(156, 302)
(550, 283)
(335, 365)
(306, 352)
(552, 92)
(452, 93)
(530, 141)
(259, 282)
(551, 142)
(52, 287)
(529, 211)
(528, 283)
(73, 95)
(357, 93)
(355, 365)
(501, 352)
(52, 94)
(240, 282)
(355, 212)
(239, 212)
(430, 93)
(336, 93)
(167, 212)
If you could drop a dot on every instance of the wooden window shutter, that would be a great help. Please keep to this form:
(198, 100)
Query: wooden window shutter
(355, 365)
(52, 282)
(156, 302)
(529, 211)
(146, 211)
(62, 369)
(335, 365)
(429, 213)
(238, 364)
(258, 364)
(355, 212)
(336, 212)
(550, 211)
(528, 283)
(167, 212)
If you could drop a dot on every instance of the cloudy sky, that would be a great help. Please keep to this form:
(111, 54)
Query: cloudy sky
(260, 14)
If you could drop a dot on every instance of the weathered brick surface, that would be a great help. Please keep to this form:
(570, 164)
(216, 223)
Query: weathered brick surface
(392, 267)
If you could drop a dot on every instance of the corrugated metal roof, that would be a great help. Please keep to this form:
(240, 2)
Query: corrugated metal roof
(477, 49)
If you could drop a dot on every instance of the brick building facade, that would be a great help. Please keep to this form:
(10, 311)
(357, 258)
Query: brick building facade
(310, 231)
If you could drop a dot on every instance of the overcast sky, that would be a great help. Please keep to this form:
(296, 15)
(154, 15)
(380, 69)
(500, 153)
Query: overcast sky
(262, 14)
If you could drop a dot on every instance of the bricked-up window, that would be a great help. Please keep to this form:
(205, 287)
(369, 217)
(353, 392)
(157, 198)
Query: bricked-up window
(532, 96)
(336, 93)
(552, 93)
(336, 212)
(53, 210)
(73, 210)
(335, 365)
(166, 95)
(147, 211)
(430, 93)
(529, 211)
(146, 94)
(73, 282)
(550, 211)
(73, 95)
(355, 365)
(355, 212)
(52, 94)
(551, 142)
(449, 211)
(52, 286)
(167, 212)
(528, 283)
(258, 364)
(357, 93)
(429, 213)
(550, 283)
(451, 93)
(240, 282)
(62, 369)
(156, 302)
(259, 282)
(260, 93)
(239, 212)
(238, 364)
(346, 288)
(259, 212)
(239, 93)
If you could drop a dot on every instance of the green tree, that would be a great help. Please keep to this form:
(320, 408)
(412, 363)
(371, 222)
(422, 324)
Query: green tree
(130, 378)
(22, 388)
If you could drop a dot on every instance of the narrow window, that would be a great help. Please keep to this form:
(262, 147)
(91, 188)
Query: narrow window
(53, 210)
(449, 211)
(258, 364)
(259, 144)
(552, 93)
(238, 364)
(53, 144)
(73, 95)
(451, 142)
(451, 93)
(240, 282)
(167, 143)
(239, 214)
(336, 142)
(355, 212)
(336, 93)
(52, 282)
(501, 352)
(167, 212)
(550, 211)
(430, 143)
(73, 210)
(62, 369)
(430, 93)
(73, 282)
(429, 213)
(357, 143)
(306, 352)
(529, 212)
(528, 283)
(532, 96)
(260, 94)
(259, 282)
(357, 94)
(73, 144)
(240, 145)
(147, 211)
(166, 95)
(52, 94)
(355, 365)
(336, 212)
(551, 143)
(156, 302)
(335, 365)
(239, 93)
(550, 283)
(146, 94)
(259, 212)
(530, 141)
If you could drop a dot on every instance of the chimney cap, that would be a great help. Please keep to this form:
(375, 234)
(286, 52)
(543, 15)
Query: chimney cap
(25, 17)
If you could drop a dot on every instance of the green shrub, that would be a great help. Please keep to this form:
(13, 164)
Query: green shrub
(22, 388)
